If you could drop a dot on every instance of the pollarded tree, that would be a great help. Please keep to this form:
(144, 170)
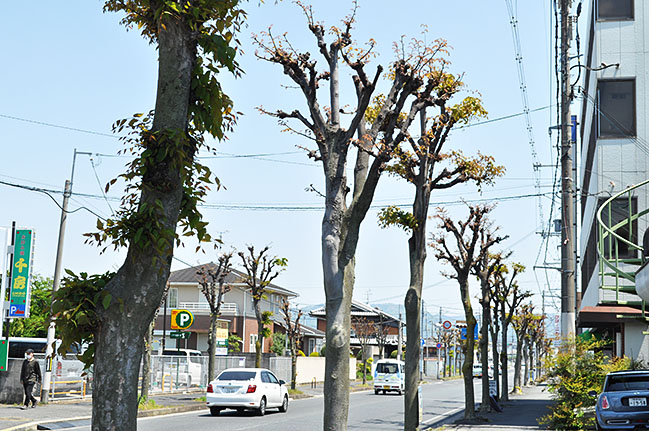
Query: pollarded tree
(211, 279)
(522, 321)
(293, 336)
(411, 88)
(510, 297)
(365, 330)
(462, 257)
(485, 269)
(165, 182)
(422, 162)
(261, 270)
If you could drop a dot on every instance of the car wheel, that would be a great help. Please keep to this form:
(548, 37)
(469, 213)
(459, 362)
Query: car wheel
(214, 411)
(376, 391)
(399, 392)
(262, 407)
(284, 407)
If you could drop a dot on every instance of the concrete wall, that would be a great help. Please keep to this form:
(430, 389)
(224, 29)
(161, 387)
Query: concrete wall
(636, 345)
(11, 391)
(310, 367)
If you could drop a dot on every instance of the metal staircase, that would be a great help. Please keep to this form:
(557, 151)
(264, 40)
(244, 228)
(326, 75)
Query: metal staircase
(617, 272)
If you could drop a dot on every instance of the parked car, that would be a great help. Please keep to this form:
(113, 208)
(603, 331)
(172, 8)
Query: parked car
(187, 369)
(389, 376)
(477, 371)
(246, 388)
(622, 405)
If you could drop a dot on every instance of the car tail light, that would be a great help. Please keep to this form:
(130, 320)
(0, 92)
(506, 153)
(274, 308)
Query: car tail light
(251, 389)
(210, 389)
(605, 404)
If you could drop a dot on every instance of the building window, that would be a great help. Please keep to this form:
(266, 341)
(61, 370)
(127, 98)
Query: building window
(616, 113)
(253, 341)
(613, 10)
(172, 298)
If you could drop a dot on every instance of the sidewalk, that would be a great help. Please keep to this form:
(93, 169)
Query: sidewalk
(520, 413)
(78, 412)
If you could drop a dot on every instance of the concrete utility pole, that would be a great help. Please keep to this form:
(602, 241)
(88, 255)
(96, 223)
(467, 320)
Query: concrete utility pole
(567, 211)
(51, 329)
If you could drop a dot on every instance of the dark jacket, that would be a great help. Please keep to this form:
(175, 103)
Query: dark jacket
(31, 372)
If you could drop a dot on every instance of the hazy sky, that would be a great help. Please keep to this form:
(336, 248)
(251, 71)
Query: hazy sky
(69, 64)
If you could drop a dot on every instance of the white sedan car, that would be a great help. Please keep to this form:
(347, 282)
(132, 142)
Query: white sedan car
(246, 388)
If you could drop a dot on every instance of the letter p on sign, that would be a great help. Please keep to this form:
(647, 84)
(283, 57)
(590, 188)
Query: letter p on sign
(181, 319)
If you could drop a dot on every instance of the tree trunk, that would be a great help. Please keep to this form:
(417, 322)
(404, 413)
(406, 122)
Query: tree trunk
(494, 353)
(485, 406)
(364, 366)
(146, 364)
(469, 347)
(532, 365)
(517, 366)
(504, 385)
(211, 347)
(526, 361)
(293, 366)
(260, 330)
(138, 286)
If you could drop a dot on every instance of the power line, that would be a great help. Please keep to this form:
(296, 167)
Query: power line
(58, 126)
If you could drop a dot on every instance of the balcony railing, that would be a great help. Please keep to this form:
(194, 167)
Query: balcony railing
(229, 308)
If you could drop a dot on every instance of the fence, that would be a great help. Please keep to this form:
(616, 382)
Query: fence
(281, 367)
(179, 372)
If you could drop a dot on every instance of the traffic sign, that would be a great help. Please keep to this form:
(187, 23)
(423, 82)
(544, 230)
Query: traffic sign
(447, 324)
(423, 342)
(180, 335)
(439, 345)
(181, 319)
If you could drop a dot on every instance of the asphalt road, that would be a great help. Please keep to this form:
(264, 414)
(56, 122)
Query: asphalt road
(367, 411)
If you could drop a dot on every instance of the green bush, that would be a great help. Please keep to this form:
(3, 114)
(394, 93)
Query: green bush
(573, 372)
(314, 354)
(323, 350)
(278, 343)
(300, 353)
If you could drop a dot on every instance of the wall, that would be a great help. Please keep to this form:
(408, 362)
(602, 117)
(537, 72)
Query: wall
(11, 391)
(636, 345)
(310, 367)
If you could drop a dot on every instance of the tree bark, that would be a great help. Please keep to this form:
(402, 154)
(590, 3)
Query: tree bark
(485, 406)
(494, 350)
(504, 385)
(146, 364)
(211, 347)
(293, 367)
(139, 284)
(517, 366)
(526, 360)
(412, 303)
(469, 347)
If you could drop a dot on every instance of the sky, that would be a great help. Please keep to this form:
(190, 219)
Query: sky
(70, 71)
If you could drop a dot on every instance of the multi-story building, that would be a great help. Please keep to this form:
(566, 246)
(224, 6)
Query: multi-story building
(236, 314)
(613, 155)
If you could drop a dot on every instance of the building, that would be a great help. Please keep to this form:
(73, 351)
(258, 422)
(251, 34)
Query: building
(613, 155)
(384, 328)
(236, 314)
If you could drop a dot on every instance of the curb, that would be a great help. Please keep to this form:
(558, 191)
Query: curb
(443, 420)
(33, 426)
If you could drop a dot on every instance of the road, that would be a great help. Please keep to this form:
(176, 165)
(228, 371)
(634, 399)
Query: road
(367, 411)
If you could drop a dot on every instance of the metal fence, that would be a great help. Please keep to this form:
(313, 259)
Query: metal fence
(178, 372)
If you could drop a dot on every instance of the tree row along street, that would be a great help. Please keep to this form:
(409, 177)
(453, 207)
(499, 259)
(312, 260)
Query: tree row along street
(441, 399)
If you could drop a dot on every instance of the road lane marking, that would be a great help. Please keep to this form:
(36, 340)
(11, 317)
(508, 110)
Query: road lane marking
(446, 415)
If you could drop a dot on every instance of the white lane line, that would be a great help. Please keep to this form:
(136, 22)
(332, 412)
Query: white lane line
(445, 415)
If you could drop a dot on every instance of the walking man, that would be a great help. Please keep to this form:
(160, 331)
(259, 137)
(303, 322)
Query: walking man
(29, 376)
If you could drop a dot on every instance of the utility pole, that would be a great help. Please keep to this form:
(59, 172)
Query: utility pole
(567, 211)
(439, 342)
(51, 329)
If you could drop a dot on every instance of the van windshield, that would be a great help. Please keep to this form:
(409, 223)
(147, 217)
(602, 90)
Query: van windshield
(387, 368)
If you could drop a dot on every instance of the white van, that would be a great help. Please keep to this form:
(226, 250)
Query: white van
(389, 376)
(187, 369)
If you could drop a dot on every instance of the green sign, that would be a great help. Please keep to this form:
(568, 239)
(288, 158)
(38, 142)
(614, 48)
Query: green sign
(180, 335)
(4, 354)
(222, 343)
(20, 274)
(181, 319)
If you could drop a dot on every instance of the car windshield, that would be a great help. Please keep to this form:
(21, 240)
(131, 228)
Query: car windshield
(627, 383)
(387, 368)
(237, 375)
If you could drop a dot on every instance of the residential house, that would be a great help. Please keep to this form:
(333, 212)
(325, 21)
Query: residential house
(236, 313)
(385, 328)
(613, 155)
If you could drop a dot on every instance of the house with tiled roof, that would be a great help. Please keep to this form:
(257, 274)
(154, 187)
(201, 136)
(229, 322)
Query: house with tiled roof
(237, 313)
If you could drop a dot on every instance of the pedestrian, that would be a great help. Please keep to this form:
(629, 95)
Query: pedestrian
(29, 376)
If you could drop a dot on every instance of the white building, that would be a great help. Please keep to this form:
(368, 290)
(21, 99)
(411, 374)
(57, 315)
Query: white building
(613, 155)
